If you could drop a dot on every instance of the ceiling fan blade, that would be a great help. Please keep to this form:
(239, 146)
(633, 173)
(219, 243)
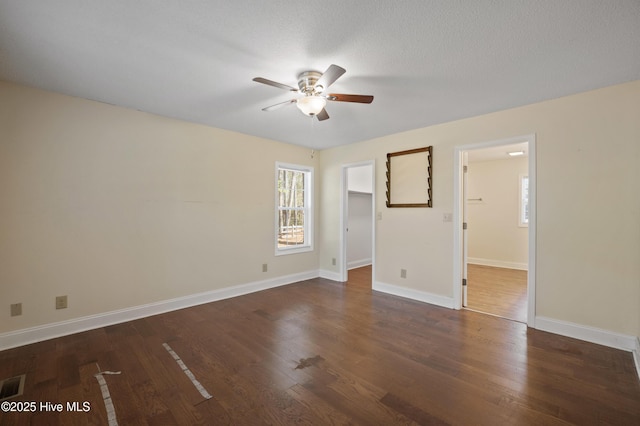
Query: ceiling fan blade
(341, 97)
(274, 84)
(322, 115)
(330, 76)
(280, 105)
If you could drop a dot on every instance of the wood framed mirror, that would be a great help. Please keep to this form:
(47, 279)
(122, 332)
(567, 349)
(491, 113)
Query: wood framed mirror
(409, 185)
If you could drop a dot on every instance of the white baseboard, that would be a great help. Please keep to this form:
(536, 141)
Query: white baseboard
(636, 355)
(593, 335)
(330, 275)
(421, 296)
(26, 336)
(497, 263)
(358, 263)
(588, 334)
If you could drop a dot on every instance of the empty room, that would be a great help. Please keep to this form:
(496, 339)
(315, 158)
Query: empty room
(280, 212)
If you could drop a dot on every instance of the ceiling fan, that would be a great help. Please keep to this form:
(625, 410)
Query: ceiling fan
(312, 84)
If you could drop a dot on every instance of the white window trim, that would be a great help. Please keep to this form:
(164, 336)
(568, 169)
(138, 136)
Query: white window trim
(308, 202)
(521, 223)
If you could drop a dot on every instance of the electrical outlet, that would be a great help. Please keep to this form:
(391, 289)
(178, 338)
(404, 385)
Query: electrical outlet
(333, 261)
(16, 309)
(264, 267)
(403, 273)
(61, 302)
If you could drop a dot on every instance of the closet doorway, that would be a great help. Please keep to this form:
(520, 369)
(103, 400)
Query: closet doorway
(358, 226)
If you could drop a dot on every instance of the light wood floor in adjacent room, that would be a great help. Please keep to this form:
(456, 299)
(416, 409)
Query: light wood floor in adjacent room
(360, 277)
(497, 291)
(318, 353)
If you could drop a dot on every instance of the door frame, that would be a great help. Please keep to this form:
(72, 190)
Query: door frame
(344, 217)
(458, 205)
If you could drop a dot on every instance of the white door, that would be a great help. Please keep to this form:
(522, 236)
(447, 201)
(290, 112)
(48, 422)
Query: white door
(465, 240)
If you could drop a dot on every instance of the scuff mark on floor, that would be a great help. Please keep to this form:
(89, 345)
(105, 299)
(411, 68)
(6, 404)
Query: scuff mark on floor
(308, 362)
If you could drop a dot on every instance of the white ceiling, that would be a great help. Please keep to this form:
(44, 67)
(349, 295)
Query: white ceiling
(426, 62)
(500, 152)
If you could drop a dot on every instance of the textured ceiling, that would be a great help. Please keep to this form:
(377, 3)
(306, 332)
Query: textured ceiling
(426, 62)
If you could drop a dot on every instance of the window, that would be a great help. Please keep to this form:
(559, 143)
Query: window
(523, 219)
(294, 222)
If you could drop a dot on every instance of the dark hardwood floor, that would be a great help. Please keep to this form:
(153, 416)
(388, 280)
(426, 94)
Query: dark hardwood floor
(497, 291)
(320, 352)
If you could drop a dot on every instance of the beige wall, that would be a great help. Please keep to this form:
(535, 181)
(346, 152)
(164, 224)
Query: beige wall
(588, 205)
(494, 235)
(117, 208)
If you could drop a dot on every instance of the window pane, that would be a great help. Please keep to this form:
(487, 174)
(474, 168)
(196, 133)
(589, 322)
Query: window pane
(291, 228)
(293, 214)
(290, 188)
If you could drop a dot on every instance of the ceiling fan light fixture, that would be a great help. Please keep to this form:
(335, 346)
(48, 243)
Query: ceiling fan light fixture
(311, 85)
(311, 105)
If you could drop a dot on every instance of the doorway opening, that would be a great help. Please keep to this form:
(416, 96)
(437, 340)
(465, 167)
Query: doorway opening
(494, 216)
(357, 258)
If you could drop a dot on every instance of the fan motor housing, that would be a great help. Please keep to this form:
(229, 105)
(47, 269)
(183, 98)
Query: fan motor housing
(307, 81)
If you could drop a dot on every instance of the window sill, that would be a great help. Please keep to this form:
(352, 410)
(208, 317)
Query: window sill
(293, 250)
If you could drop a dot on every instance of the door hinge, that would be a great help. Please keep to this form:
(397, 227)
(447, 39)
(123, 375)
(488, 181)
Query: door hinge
(464, 169)
(464, 225)
(464, 282)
